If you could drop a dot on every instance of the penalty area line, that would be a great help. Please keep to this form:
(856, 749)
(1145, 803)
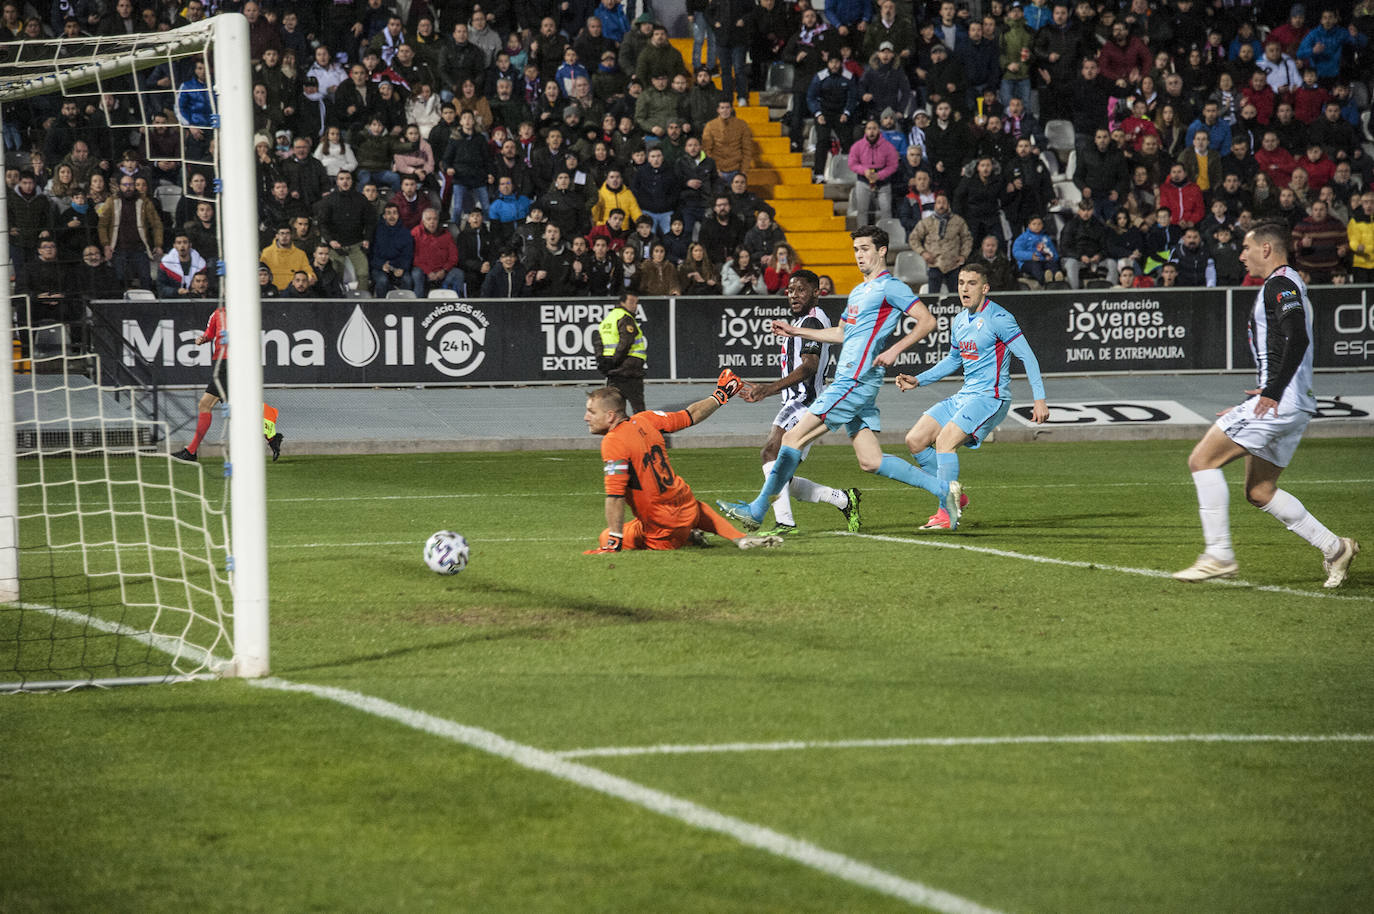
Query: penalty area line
(942, 543)
(673, 807)
(954, 741)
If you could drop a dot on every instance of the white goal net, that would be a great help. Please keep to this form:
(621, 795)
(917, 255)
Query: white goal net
(118, 562)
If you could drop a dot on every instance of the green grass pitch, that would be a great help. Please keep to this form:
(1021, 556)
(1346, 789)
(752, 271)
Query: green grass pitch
(224, 797)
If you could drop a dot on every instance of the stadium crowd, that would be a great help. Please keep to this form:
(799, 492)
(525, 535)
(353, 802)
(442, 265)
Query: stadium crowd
(566, 148)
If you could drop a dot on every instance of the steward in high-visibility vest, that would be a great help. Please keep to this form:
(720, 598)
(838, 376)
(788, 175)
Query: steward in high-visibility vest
(623, 351)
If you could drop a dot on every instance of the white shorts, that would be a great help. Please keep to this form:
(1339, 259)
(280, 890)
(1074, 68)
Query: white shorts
(790, 415)
(1273, 437)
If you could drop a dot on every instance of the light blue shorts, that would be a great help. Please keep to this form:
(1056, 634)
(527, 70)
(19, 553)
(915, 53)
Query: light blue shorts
(850, 405)
(976, 414)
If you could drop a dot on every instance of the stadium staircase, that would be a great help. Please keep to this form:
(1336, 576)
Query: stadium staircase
(781, 177)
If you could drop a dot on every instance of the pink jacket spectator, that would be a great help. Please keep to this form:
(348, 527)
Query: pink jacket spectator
(880, 156)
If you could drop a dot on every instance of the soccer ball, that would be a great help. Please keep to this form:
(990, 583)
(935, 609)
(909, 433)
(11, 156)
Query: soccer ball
(446, 552)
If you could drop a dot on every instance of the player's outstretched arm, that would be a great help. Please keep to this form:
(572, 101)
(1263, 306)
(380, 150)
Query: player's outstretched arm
(727, 385)
(925, 325)
(825, 335)
(810, 364)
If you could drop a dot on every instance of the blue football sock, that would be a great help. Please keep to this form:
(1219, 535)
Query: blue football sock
(898, 469)
(948, 471)
(925, 459)
(781, 474)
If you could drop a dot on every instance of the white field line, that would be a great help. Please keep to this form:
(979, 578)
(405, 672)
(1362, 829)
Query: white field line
(951, 543)
(177, 648)
(951, 741)
(747, 833)
(589, 493)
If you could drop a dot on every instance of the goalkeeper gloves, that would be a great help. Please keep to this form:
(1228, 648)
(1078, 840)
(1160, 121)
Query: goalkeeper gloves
(612, 545)
(727, 385)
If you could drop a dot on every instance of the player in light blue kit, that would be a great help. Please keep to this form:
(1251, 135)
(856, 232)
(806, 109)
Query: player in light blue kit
(875, 307)
(982, 338)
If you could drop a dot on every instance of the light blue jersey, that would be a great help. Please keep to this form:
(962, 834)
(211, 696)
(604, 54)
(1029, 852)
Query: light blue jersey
(983, 341)
(874, 308)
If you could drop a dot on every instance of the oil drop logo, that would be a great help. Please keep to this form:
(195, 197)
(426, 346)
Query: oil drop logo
(358, 343)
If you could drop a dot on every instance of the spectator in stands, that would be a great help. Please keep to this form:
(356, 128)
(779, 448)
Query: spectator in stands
(508, 210)
(1125, 56)
(742, 275)
(178, 266)
(1225, 251)
(1182, 198)
(1160, 239)
(657, 274)
(410, 201)
(553, 265)
(347, 221)
(890, 28)
(698, 275)
(728, 141)
(467, 163)
(1035, 253)
(328, 279)
(1218, 130)
(744, 203)
(477, 248)
(873, 161)
(508, 278)
(1001, 274)
(44, 280)
(721, 234)
(77, 227)
(884, 84)
(335, 154)
(392, 255)
(1083, 246)
(613, 194)
(730, 21)
(436, 255)
(943, 241)
(781, 266)
(1274, 162)
(94, 277)
(1320, 246)
(130, 232)
(848, 16)
(1016, 45)
(1319, 169)
(832, 99)
(1092, 94)
(1202, 164)
(30, 214)
(1030, 186)
(978, 199)
(948, 145)
(918, 203)
(1101, 174)
(806, 51)
(1360, 239)
(656, 190)
(946, 80)
(763, 237)
(1193, 261)
(629, 269)
(1323, 45)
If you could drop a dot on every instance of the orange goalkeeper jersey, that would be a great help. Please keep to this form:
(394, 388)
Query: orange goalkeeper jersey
(637, 468)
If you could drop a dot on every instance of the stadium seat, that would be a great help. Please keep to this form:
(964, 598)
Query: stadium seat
(139, 295)
(910, 268)
(442, 293)
(896, 234)
(1066, 195)
(401, 293)
(1069, 166)
(358, 293)
(780, 77)
(837, 170)
(168, 196)
(1052, 162)
(1060, 135)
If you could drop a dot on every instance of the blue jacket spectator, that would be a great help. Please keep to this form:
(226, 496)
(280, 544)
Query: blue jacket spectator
(392, 256)
(193, 99)
(1218, 134)
(614, 24)
(848, 13)
(1035, 253)
(508, 208)
(1331, 38)
(1038, 15)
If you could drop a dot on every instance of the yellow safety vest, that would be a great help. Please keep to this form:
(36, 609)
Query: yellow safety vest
(610, 335)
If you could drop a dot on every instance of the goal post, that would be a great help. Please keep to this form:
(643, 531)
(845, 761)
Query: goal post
(190, 634)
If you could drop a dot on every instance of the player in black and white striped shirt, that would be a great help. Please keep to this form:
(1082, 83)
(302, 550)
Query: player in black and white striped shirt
(1266, 428)
(802, 376)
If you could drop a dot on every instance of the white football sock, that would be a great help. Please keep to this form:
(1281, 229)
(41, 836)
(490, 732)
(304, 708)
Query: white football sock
(782, 505)
(814, 492)
(1214, 509)
(1290, 512)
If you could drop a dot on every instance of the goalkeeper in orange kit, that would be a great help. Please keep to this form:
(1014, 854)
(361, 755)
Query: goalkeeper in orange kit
(666, 513)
